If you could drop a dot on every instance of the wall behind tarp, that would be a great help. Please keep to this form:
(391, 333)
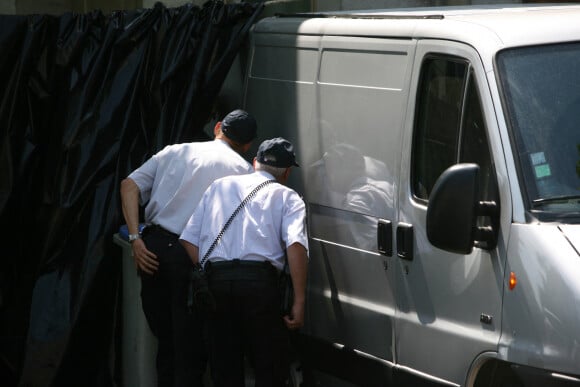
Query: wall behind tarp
(85, 99)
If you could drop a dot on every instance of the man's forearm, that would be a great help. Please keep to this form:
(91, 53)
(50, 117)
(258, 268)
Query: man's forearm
(192, 250)
(130, 205)
(298, 262)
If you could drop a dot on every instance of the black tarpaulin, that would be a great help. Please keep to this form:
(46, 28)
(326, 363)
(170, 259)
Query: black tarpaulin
(85, 99)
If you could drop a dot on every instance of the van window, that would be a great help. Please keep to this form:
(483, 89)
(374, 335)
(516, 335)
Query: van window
(437, 123)
(474, 145)
(542, 99)
(449, 126)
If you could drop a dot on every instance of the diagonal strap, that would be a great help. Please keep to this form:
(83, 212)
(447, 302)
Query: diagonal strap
(232, 216)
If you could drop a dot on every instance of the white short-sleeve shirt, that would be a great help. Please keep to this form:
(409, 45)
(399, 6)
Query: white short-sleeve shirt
(172, 182)
(270, 222)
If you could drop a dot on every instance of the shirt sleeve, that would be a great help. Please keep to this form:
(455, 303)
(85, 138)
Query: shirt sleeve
(144, 176)
(294, 222)
(192, 231)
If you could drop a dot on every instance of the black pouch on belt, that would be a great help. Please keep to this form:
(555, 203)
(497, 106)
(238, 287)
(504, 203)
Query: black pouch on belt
(286, 290)
(199, 298)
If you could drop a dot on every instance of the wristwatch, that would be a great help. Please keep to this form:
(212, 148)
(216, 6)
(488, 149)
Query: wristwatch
(134, 237)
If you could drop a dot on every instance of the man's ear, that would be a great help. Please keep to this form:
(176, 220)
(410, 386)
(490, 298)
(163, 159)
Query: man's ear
(217, 129)
(254, 162)
(287, 173)
(246, 147)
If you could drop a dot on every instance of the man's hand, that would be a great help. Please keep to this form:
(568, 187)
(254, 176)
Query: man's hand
(144, 259)
(298, 262)
(296, 319)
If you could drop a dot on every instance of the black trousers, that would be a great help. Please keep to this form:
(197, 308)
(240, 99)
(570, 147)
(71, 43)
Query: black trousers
(247, 322)
(181, 353)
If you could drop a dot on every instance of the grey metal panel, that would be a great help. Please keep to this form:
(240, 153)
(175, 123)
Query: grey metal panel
(350, 299)
(292, 58)
(280, 92)
(487, 27)
(542, 313)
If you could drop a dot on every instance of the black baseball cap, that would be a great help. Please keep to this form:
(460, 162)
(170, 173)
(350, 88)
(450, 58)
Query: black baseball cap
(277, 152)
(239, 126)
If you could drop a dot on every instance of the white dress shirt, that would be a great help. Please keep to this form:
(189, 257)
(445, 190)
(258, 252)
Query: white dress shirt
(172, 182)
(270, 222)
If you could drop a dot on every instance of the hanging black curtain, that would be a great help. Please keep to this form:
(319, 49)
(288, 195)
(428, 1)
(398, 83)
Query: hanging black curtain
(85, 99)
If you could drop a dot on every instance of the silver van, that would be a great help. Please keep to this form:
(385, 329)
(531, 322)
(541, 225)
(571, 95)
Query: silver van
(440, 163)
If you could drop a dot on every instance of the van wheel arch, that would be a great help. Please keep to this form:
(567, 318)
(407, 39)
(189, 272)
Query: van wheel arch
(488, 371)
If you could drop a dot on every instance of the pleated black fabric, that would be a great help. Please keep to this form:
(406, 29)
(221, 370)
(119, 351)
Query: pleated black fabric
(85, 99)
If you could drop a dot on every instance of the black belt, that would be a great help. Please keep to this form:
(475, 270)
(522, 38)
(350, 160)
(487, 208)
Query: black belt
(155, 228)
(241, 270)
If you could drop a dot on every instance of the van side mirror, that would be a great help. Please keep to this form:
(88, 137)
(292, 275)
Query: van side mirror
(453, 210)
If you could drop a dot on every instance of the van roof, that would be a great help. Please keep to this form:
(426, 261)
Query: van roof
(490, 27)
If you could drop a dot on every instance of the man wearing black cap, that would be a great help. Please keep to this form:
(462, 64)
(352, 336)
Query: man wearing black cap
(243, 265)
(170, 184)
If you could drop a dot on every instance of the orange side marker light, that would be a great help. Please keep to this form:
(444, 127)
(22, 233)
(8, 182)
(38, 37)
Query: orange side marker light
(513, 280)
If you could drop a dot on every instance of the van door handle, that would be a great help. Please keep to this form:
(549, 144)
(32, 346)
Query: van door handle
(385, 237)
(405, 241)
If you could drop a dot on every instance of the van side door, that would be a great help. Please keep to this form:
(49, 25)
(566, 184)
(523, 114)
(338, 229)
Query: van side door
(361, 90)
(448, 304)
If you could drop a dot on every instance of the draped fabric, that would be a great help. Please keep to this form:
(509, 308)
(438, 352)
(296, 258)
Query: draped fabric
(85, 99)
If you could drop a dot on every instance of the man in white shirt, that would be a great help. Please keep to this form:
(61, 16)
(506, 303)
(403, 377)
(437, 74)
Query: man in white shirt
(170, 184)
(243, 268)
